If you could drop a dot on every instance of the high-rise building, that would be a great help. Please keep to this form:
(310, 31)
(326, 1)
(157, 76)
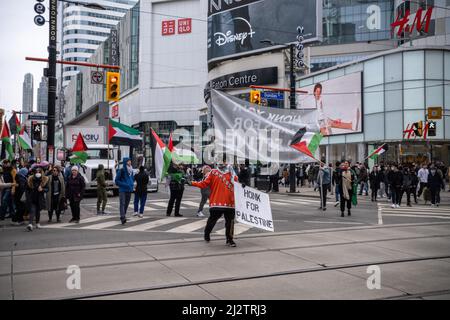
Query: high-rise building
(42, 96)
(85, 27)
(27, 95)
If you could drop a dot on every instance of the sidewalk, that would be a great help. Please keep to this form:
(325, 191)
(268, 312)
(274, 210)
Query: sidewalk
(323, 264)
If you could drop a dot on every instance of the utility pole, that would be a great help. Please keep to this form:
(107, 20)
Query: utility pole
(52, 82)
(292, 184)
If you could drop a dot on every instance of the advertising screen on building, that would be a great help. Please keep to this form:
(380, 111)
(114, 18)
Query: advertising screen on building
(335, 105)
(237, 30)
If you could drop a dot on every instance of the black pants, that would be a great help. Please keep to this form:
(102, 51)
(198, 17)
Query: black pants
(422, 186)
(345, 201)
(20, 208)
(75, 208)
(54, 207)
(175, 197)
(435, 195)
(408, 192)
(323, 195)
(215, 214)
(396, 193)
(374, 194)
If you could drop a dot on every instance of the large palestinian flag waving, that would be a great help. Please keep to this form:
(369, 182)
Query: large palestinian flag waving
(163, 157)
(5, 135)
(79, 149)
(306, 142)
(123, 135)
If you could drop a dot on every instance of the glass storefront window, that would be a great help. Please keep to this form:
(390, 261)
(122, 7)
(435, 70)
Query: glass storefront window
(374, 127)
(434, 93)
(393, 67)
(393, 96)
(413, 94)
(434, 69)
(413, 65)
(393, 121)
(373, 72)
(373, 99)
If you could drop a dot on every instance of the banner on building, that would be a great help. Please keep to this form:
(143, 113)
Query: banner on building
(258, 133)
(253, 207)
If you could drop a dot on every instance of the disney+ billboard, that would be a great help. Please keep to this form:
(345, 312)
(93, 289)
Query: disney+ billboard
(235, 28)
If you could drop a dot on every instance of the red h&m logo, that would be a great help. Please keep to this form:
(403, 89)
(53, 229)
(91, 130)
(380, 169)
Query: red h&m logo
(168, 27)
(184, 25)
(403, 22)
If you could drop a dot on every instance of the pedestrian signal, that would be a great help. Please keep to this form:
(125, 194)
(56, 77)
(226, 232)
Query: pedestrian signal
(255, 96)
(112, 86)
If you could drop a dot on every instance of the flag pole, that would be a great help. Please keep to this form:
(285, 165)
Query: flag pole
(107, 140)
(374, 151)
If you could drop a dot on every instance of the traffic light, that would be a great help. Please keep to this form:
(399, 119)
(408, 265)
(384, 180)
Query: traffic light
(432, 128)
(112, 86)
(37, 131)
(255, 96)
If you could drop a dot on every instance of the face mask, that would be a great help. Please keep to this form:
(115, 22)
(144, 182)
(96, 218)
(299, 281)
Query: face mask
(38, 175)
(433, 171)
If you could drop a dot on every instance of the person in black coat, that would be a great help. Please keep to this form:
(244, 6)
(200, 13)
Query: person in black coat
(435, 183)
(375, 179)
(37, 186)
(74, 192)
(395, 178)
(244, 175)
(140, 193)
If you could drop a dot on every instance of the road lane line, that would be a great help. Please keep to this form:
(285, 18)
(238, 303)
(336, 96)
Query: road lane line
(82, 221)
(153, 224)
(103, 225)
(189, 227)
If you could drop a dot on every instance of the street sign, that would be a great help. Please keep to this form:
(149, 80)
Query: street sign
(434, 113)
(97, 77)
(272, 95)
(39, 8)
(39, 20)
(37, 117)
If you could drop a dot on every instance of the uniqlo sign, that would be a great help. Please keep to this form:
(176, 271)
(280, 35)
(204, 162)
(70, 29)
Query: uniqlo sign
(168, 27)
(185, 25)
(115, 111)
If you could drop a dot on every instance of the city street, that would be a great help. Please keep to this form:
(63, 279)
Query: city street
(313, 254)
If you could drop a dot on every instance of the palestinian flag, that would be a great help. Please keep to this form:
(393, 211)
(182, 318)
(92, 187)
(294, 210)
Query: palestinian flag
(14, 124)
(24, 140)
(185, 156)
(79, 155)
(5, 135)
(378, 151)
(306, 142)
(163, 157)
(123, 135)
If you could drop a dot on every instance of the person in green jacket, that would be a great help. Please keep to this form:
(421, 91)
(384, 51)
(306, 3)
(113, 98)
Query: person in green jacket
(102, 197)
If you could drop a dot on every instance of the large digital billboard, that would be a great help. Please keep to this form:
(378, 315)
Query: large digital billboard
(335, 105)
(235, 28)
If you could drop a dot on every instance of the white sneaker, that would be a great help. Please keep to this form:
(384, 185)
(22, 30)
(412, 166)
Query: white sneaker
(200, 214)
(393, 206)
(398, 206)
(30, 227)
(38, 226)
(135, 214)
(141, 215)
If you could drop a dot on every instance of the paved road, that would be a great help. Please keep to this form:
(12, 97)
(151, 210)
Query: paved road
(291, 213)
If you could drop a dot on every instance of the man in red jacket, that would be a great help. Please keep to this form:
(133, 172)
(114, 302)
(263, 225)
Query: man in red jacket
(221, 200)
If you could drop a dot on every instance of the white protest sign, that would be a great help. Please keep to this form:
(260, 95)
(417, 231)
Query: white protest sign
(253, 207)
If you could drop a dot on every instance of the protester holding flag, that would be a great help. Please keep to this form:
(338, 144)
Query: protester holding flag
(74, 191)
(125, 181)
(5, 136)
(221, 200)
(176, 178)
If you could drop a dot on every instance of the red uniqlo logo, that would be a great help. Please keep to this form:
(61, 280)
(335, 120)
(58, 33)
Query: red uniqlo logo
(115, 111)
(185, 25)
(168, 27)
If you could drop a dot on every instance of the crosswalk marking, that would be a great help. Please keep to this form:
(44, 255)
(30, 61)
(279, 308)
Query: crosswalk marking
(160, 204)
(189, 227)
(238, 229)
(153, 224)
(194, 204)
(417, 216)
(62, 225)
(103, 225)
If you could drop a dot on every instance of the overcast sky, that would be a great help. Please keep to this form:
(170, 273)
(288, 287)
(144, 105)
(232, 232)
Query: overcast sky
(20, 37)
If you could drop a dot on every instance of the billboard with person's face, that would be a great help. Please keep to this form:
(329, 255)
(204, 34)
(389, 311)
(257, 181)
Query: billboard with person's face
(335, 105)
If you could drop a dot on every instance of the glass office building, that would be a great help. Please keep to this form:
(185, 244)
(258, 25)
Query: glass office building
(397, 87)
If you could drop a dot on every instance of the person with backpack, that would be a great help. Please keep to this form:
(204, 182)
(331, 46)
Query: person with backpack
(140, 194)
(125, 181)
(324, 183)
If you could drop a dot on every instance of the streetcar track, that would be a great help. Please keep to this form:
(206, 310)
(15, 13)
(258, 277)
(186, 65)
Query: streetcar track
(244, 278)
(231, 252)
